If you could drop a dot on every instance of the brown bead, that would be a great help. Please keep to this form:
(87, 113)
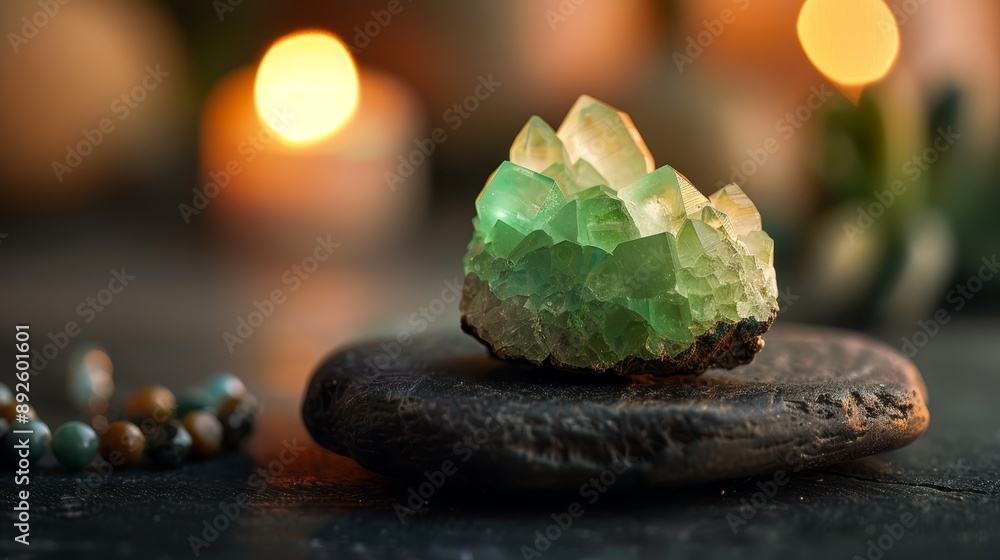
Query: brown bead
(154, 404)
(206, 433)
(122, 444)
(9, 412)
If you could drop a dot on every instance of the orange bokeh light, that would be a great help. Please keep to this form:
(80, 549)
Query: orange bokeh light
(854, 43)
(307, 87)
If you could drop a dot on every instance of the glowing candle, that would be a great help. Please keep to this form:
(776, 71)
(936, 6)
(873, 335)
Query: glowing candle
(301, 146)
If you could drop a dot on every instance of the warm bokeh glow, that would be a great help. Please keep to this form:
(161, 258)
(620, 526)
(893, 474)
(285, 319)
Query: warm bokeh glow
(306, 87)
(852, 42)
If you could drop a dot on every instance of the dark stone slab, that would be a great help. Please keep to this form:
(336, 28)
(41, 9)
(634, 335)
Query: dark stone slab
(812, 397)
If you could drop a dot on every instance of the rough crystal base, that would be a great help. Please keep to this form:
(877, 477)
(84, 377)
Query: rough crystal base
(725, 346)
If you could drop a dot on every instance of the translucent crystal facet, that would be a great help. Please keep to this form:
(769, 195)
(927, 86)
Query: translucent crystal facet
(537, 147)
(585, 256)
(694, 201)
(518, 196)
(696, 239)
(607, 139)
(742, 213)
(656, 202)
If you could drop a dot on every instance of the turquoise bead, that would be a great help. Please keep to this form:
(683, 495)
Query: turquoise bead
(198, 399)
(37, 441)
(75, 445)
(222, 386)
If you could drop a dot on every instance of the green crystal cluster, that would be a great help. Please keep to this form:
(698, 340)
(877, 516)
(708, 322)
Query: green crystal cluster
(585, 255)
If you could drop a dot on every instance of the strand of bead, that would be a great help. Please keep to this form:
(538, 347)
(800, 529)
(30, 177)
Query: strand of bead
(158, 428)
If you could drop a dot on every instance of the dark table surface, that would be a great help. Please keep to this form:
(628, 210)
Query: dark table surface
(938, 497)
(166, 328)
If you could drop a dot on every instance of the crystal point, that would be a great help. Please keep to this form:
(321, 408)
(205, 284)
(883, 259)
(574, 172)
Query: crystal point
(737, 205)
(694, 201)
(718, 220)
(607, 139)
(537, 147)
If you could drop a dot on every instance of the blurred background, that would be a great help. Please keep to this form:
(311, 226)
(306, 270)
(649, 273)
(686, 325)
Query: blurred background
(133, 144)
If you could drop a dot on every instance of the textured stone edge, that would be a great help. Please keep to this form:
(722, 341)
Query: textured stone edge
(725, 345)
(882, 419)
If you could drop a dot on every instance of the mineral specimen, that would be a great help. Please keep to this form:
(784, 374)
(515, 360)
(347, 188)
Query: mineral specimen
(586, 256)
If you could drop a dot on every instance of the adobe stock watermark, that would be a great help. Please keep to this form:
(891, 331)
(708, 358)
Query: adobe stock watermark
(248, 150)
(420, 321)
(785, 128)
(591, 491)
(956, 466)
(958, 297)
(562, 13)
(768, 489)
(904, 11)
(230, 511)
(455, 117)
(121, 107)
(786, 299)
(33, 24)
(291, 280)
(914, 168)
(87, 310)
(225, 7)
(380, 19)
(419, 496)
(714, 28)
(891, 534)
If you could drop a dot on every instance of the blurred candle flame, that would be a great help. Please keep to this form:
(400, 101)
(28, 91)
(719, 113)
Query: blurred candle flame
(306, 87)
(854, 43)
